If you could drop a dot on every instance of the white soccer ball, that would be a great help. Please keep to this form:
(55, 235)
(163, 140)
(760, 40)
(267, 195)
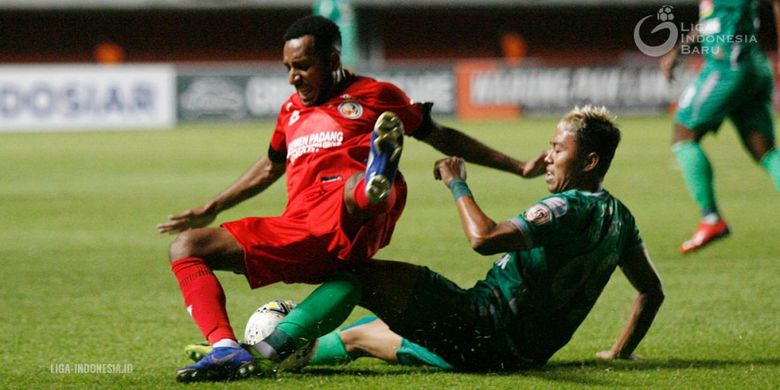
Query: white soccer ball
(264, 320)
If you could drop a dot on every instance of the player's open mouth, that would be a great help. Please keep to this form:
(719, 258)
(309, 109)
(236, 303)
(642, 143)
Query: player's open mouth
(306, 93)
(548, 176)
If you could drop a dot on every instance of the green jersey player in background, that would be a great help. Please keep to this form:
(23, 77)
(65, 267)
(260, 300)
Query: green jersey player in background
(735, 82)
(560, 253)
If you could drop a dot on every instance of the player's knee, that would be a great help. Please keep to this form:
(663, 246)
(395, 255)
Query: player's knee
(682, 134)
(183, 246)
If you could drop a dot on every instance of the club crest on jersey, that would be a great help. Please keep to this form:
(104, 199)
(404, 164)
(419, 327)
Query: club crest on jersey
(538, 215)
(350, 109)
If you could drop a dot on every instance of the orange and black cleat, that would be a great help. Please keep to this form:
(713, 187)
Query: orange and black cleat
(705, 233)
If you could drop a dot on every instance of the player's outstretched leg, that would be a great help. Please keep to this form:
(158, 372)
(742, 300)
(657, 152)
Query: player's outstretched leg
(223, 363)
(384, 155)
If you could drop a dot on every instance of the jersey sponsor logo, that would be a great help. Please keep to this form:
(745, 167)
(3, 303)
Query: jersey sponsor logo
(557, 205)
(311, 143)
(538, 214)
(350, 109)
(502, 262)
(294, 117)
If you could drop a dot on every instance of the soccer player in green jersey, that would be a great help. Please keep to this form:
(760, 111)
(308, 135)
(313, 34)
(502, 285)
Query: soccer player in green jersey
(735, 82)
(560, 253)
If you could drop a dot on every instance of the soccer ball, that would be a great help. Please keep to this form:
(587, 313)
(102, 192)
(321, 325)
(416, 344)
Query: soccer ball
(264, 320)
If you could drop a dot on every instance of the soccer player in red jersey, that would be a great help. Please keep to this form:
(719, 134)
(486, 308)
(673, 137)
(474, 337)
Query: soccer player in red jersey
(338, 139)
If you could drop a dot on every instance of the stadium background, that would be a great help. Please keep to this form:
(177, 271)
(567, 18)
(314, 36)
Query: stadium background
(85, 279)
(219, 60)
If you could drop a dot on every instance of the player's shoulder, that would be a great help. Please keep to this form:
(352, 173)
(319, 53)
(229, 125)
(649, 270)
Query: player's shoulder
(575, 201)
(292, 103)
(368, 87)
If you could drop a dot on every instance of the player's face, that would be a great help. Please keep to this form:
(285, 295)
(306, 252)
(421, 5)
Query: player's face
(308, 72)
(563, 169)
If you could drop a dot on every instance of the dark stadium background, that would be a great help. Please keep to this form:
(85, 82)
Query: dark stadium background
(554, 33)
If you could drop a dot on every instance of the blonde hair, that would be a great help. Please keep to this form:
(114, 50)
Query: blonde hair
(579, 117)
(594, 133)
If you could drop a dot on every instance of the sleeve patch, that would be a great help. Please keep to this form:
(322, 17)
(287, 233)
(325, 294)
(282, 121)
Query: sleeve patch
(557, 206)
(524, 229)
(538, 215)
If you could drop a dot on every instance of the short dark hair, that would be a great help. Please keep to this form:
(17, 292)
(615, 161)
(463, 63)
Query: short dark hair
(594, 132)
(327, 37)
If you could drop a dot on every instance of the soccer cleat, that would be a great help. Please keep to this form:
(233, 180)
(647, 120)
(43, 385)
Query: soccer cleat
(384, 154)
(705, 233)
(300, 358)
(225, 363)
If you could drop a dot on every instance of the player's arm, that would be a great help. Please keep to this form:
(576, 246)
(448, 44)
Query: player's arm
(257, 178)
(453, 142)
(639, 270)
(485, 235)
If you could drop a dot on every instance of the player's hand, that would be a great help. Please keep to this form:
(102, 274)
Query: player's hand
(535, 167)
(669, 62)
(192, 218)
(612, 355)
(448, 169)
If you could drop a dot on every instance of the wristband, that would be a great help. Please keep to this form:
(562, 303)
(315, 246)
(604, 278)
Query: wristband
(459, 189)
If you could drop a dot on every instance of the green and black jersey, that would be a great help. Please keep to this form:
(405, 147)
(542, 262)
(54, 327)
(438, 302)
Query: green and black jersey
(576, 240)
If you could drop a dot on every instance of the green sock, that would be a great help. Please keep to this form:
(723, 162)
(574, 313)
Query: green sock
(697, 173)
(321, 312)
(771, 162)
(330, 351)
(411, 354)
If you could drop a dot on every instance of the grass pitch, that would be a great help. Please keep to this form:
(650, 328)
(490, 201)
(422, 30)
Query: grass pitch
(86, 283)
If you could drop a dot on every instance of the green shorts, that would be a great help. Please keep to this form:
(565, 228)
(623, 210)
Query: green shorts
(464, 327)
(743, 93)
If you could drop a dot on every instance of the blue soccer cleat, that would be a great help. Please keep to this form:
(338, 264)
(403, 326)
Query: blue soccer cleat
(225, 363)
(386, 145)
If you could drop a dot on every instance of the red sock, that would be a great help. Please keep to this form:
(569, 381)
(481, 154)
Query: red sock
(203, 297)
(361, 200)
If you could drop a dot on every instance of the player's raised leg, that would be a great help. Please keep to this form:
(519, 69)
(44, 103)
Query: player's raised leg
(384, 155)
(194, 255)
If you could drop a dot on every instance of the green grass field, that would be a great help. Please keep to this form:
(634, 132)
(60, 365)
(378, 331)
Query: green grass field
(85, 277)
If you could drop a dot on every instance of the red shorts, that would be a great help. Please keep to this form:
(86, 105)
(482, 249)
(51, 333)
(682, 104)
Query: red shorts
(313, 237)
